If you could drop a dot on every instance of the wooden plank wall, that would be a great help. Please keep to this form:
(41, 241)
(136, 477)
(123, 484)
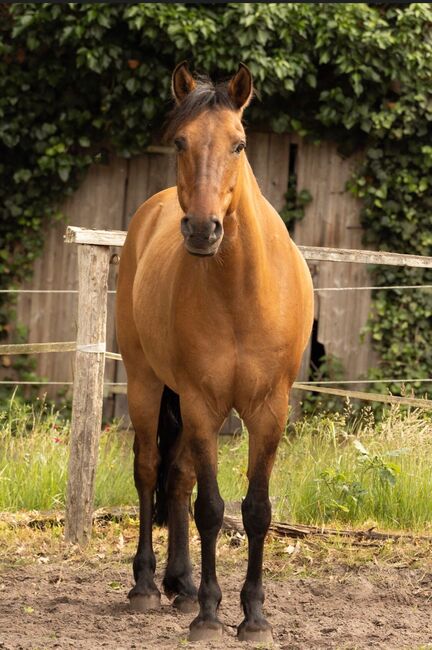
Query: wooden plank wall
(98, 203)
(332, 219)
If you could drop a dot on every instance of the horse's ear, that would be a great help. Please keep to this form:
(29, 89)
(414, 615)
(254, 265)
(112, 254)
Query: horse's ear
(182, 82)
(240, 88)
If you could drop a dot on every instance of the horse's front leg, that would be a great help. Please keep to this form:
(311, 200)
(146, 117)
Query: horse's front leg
(265, 429)
(144, 396)
(201, 434)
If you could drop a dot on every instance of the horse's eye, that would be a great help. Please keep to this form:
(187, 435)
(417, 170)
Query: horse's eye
(239, 147)
(180, 144)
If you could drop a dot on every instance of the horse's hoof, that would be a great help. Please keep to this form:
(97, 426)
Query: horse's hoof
(205, 630)
(254, 633)
(185, 604)
(142, 603)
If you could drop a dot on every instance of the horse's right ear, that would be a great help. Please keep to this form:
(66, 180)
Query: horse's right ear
(182, 82)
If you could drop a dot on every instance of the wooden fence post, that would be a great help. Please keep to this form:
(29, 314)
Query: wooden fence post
(93, 265)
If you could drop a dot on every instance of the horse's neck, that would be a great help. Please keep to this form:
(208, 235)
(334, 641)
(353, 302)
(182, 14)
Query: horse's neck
(245, 250)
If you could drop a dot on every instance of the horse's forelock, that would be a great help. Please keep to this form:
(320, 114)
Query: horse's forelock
(205, 96)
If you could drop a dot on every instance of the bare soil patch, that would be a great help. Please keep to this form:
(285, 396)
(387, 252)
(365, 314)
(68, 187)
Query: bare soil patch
(317, 596)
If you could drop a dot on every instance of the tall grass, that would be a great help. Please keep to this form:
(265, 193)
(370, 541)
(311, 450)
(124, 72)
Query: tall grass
(343, 468)
(337, 468)
(34, 458)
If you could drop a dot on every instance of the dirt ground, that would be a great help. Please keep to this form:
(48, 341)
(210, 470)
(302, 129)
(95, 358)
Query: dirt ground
(319, 595)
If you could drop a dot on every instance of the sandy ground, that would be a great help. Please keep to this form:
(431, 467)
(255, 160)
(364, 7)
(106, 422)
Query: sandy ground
(316, 598)
(74, 607)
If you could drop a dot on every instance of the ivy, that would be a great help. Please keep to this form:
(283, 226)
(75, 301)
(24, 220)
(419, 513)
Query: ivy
(295, 203)
(81, 80)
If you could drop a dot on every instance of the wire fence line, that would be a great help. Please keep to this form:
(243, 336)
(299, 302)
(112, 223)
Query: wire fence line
(342, 382)
(60, 346)
(96, 238)
(71, 346)
(316, 289)
(305, 386)
(42, 382)
(73, 291)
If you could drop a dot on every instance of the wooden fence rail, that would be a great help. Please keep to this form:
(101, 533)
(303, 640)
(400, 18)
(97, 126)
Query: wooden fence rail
(78, 235)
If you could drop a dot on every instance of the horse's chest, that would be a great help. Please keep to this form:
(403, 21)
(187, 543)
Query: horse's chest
(223, 360)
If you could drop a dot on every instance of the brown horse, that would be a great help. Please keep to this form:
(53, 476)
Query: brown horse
(214, 309)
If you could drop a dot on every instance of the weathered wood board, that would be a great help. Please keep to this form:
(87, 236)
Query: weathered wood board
(332, 219)
(99, 202)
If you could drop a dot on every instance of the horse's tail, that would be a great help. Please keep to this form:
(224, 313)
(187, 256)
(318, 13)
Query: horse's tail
(169, 429)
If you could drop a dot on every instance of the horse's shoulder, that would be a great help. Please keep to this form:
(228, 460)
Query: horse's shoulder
(150, 209)
(146, 218)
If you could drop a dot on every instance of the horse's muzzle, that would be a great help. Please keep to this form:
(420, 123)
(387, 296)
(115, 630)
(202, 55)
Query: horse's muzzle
(201, 236)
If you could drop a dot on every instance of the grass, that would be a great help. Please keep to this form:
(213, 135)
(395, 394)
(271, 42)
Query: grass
(34, 459)
(343, 469)
(347, 469)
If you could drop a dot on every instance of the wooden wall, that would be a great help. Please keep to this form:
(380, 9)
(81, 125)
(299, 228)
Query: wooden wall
(332, 219)
(111, 193)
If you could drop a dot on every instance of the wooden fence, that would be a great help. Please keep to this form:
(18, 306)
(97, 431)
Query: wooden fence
(94, 255)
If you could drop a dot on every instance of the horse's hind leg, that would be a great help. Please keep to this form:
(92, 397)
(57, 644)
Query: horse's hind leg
(200, 436)
(144, 397)
(176, 478)
(178, 580)
(265, 429)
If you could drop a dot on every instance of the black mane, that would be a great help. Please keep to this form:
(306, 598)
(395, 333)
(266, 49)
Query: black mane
(206, 95)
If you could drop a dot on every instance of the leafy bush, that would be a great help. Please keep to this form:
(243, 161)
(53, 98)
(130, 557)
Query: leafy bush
(78, 81)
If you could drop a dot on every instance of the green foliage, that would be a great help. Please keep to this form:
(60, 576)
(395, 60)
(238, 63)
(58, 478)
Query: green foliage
(295, 203)
(78, 81)
(347, 488)
(394, 185)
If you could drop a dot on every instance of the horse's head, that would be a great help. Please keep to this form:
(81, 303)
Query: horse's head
(210, 140)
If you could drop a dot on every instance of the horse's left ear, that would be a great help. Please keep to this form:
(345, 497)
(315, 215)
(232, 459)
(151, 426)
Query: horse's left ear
(240, 88)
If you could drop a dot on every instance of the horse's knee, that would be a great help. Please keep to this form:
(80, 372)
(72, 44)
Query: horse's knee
(256, 511)
(209, 512)
(181, 481)
(146, 465)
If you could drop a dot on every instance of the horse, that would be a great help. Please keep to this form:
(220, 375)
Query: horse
(214, 310)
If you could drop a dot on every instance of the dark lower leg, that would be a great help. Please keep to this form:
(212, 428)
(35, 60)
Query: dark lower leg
(144, 594)
(178, 575)
(256, 510)
(209, 509)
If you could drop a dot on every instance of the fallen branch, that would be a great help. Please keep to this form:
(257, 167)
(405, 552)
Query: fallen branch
(282, 529)
(42, 520)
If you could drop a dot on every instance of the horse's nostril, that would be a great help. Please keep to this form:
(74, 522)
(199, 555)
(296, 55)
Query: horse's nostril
(186, 227)
(216, 229)
(201, 232)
